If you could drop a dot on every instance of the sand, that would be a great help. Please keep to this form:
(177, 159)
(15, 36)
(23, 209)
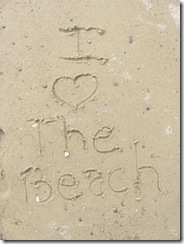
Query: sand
(89, 120)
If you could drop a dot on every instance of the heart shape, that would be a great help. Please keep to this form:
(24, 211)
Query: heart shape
(66, 95)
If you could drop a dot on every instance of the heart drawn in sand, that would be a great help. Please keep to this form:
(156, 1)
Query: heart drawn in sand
(75, 92)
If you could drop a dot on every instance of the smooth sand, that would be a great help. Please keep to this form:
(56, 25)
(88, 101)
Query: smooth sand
(89, 120)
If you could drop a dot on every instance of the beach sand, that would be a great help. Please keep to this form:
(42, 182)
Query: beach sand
(89, 120)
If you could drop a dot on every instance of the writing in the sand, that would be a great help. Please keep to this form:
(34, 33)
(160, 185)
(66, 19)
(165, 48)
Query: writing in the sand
(38, 189)
(103, 133)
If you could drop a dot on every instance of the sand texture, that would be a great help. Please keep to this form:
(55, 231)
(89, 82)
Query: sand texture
(89, 120)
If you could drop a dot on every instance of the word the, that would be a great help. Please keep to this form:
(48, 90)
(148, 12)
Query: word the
(102, 134)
